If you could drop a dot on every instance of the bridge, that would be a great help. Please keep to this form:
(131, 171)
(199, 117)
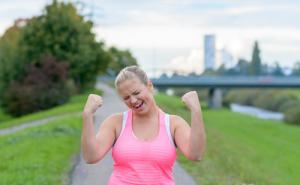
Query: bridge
(215, 83)
(228, 82)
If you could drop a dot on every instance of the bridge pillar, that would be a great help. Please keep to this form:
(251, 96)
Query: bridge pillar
(214, 98)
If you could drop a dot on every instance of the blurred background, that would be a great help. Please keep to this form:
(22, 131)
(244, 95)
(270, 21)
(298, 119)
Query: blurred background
(242, 57)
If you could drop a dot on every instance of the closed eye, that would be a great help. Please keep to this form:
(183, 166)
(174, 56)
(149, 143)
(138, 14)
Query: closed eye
(136, 93)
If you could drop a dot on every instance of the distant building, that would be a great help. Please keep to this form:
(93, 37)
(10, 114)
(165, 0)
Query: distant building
(209, 51)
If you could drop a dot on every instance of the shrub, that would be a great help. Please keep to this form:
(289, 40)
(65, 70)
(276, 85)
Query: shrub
(44, 86)
(280, 99)
(264, 99)
(245, 97)
(292, 114)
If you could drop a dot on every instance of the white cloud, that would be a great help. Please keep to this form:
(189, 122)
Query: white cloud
(193, 62)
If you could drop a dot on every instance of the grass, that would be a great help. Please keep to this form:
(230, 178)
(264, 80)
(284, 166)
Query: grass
(40, 155)
(75, 104)
(241, 149)
(4, 117)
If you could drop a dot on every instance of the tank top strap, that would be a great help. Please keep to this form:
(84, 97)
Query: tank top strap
(165, 121)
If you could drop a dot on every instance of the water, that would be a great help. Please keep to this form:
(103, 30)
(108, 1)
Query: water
(257, 112)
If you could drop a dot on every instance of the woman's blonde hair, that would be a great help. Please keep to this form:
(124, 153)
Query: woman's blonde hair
(131, 72)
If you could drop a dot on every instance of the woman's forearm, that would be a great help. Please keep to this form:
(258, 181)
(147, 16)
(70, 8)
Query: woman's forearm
(197, 136)
(88, 139)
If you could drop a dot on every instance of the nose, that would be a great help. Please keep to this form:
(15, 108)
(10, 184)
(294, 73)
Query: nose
(133, 100)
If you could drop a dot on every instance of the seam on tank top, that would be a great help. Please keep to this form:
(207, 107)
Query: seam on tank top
(168, 129)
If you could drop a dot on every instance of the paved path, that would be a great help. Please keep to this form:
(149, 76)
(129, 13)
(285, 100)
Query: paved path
(98, 174)
(29, 124)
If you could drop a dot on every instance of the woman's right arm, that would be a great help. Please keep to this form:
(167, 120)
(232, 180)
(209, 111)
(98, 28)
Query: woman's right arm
(94, 147)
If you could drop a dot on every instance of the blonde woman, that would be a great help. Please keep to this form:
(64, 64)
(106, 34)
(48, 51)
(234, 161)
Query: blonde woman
(143, 139)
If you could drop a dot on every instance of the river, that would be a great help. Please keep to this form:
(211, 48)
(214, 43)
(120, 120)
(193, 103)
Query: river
(257, 112)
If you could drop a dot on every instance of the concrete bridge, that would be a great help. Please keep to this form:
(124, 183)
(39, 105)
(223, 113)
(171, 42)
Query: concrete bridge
(215, 83)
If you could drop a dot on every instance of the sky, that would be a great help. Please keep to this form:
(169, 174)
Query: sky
(169, 34)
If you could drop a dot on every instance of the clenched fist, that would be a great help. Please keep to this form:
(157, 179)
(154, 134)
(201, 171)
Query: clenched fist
(191, 100)
(93, 102)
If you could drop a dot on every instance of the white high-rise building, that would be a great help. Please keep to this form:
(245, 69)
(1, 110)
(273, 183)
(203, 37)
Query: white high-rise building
(209, 51)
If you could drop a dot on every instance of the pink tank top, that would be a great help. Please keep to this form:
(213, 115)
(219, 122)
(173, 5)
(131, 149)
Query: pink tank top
(138, 162)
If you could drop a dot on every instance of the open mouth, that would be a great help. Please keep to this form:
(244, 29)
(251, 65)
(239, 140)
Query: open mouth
(139, 105)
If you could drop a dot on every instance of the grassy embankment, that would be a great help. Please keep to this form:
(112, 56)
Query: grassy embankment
(242, 149)
(75, 105)
(42, 155)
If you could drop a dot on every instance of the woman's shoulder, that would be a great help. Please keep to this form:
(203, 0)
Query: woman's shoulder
(115, 116)
(114, 119)
(176, 119)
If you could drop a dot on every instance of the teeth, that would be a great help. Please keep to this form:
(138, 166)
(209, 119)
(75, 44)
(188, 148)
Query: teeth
(138, 106)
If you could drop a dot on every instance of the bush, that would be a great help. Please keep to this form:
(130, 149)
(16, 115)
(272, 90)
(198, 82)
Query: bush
(281, 99)
(244, 97)
(44, 86)
(264, 99)
(292, 114)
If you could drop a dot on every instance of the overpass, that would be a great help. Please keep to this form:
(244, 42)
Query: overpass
(214, 83)
(228, 82)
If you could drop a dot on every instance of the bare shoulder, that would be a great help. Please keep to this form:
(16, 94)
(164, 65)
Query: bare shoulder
(113, 121)
(177, 120)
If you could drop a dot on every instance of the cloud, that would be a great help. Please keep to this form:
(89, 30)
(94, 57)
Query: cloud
(193, 62)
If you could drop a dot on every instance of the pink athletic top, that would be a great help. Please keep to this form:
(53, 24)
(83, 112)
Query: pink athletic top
(138, 162)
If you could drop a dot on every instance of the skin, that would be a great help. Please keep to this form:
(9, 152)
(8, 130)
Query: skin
(139, 97)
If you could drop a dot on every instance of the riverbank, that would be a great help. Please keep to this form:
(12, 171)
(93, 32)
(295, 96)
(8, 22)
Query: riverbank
(257, 112)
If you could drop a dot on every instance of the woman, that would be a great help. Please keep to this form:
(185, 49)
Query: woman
(144, 138)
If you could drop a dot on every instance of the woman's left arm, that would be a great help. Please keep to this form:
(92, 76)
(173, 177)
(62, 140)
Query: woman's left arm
(191, 140)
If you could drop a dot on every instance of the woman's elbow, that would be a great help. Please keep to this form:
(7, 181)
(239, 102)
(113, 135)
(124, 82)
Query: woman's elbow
(91, 161)
(195, 158)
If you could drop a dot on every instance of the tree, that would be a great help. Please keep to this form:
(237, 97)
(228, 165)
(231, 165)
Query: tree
(243, 67)
(119, 60)
(10, 66)
(44, 85)
(61, 32)
(255, 66)
(296, 69)
(277, 70)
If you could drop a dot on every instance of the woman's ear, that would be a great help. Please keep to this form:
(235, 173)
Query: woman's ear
(150, 85)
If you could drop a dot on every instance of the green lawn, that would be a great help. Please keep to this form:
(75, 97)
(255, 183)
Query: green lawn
(40, 155)
(242, 149)
(75, 104)
(4, 117)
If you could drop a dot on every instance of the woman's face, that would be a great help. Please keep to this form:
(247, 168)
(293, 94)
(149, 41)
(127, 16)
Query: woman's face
(136, 95)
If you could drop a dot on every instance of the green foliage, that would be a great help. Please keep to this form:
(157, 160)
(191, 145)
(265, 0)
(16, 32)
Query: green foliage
(278, 71)
(119, 60)
(296, 69)
(44, 86)
(243, 67)
(292, 114)
(255, 67)
(244, 96)
(10, 67)
(66, 35)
